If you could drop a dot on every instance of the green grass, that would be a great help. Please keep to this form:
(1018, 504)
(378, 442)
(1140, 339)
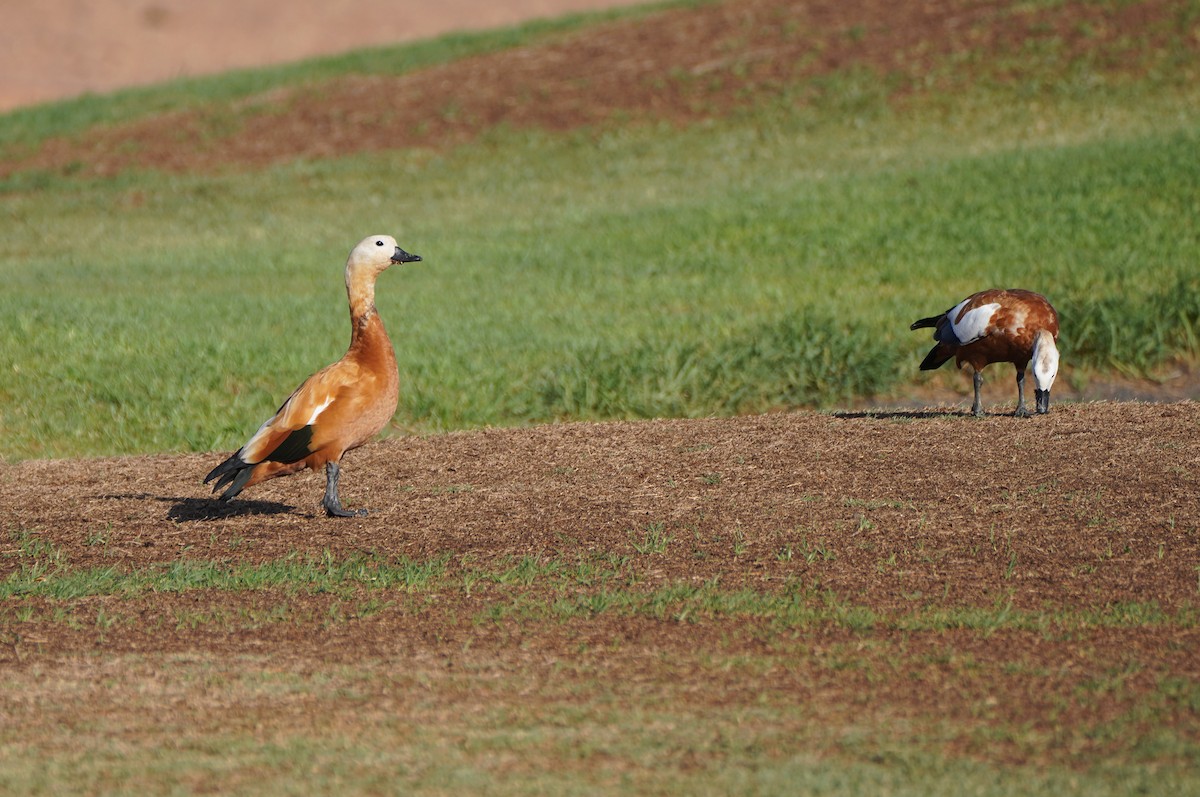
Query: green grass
(771, 259)
(683, 284)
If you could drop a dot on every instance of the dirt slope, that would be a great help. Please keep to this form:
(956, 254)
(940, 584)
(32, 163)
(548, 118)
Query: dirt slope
(54, 49)
(681, 65)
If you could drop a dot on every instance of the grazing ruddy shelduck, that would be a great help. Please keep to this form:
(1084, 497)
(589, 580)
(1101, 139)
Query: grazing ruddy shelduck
(999, 326)
(339, 407)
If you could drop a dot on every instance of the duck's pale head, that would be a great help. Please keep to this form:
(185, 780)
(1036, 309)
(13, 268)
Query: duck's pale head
(370, 258)
(375, 253)
(1045, 369)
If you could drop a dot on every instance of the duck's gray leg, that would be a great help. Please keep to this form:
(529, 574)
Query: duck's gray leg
(1021, 411)
(331, 502)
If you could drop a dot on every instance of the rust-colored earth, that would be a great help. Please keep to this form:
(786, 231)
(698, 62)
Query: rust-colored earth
(682, 65)
(1077, 532)
(56, 49)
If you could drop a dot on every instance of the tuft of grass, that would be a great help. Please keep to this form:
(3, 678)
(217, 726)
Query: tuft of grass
(654, 540)
(802, 360)
(1135, 335)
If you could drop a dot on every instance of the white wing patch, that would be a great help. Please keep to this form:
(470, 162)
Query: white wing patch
(317, 411)
(974, 323)
(265, 430)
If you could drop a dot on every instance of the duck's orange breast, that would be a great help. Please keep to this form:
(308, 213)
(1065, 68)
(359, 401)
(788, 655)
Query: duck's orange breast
(367, 391)
(336, 409)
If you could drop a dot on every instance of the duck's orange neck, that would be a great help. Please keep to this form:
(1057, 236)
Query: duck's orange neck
(371, 348)
(360, 288)
(368, 339)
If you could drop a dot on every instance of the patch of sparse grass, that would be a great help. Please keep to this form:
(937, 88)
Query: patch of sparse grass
(563, 586)
(52, 578)
(619, 740)
(791, 624)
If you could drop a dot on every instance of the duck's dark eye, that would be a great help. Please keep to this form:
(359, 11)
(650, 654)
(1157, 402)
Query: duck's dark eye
(379, 243)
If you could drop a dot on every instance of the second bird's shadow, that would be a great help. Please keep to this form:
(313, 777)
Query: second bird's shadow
(900, 415)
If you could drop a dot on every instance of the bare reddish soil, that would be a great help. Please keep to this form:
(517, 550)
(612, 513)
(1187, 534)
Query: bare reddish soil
(55, 49)
(681, 65)
(1065, 488)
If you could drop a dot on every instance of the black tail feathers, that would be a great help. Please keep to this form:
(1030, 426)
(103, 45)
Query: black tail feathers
(937, 356)
(939, 353)
(234, 472)
(932, 321)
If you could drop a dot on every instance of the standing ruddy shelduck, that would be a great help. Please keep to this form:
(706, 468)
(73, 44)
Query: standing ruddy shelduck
(999, 326)
(339, 407)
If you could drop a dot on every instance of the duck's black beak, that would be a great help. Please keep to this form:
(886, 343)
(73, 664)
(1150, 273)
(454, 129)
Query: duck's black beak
(400, 256)
(1043, 401)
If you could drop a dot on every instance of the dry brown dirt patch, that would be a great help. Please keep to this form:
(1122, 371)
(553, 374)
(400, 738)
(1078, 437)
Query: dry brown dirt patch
(1089, 505)
(1077, 533)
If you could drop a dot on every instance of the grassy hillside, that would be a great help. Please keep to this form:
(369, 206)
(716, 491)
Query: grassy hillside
(762, 254)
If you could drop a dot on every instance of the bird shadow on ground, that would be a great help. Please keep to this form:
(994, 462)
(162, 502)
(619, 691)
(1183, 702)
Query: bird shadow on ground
(900, 415)
(186, 509)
